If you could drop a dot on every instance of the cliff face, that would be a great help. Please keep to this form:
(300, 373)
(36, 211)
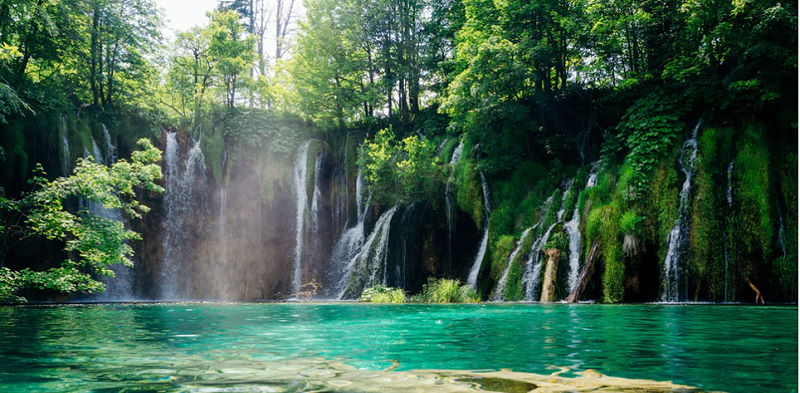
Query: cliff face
(715, 218)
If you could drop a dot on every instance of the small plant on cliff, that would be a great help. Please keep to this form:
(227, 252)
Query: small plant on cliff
(382, 294)
(91, 242)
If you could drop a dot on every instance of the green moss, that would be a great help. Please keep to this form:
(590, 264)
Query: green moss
(610, 240)
(501, 249)
(754, 225)
(513, 290)
(785, 267)
(469, 194)
(662, 207)
(709, 209)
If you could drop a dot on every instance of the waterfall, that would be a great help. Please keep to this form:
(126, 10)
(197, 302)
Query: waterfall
(301, 197)
(573, 231)
(178, 200)
(120, 287)
(316, 196)
(730, 185)
(371, 260)
(66, 160)
(678, 235)
(533, 267)
(96, 153)
(499, 290)
(448, 199)
(781, 232)
(348, 245)
(472, 279)
(726, 233)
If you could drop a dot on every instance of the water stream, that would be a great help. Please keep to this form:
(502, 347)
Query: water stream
(301, 205)
(448, 199)
(472, 279)
(499, 292)
(368, 267)
(535, 261)
(181, 189)
(672, 289)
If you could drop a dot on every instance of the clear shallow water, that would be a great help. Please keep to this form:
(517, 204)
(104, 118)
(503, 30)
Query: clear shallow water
(132, 347)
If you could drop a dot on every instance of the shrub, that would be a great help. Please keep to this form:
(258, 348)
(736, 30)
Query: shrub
(446, 290)
(382, 294)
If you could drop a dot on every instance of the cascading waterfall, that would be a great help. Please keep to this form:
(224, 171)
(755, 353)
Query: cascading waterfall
(348, 245)
(301, 198)
(370, 262)
(316, 197)
(574, 233)
(472, 279)
(448, 199)
(498, 294)
(678, 235)
(96, 153)
(178, 199)
(781, 232)
(726, 233)
(66, 161)
(533, 266)
(120, 287)
(111, 150)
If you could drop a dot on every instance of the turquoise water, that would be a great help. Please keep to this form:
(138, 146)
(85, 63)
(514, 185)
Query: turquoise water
(159, 347)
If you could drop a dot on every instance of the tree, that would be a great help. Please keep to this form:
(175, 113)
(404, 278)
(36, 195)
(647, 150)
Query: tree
(405, 171)
(232, 51)
(93, 243)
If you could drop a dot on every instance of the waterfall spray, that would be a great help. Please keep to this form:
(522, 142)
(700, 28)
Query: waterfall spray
(678, 235)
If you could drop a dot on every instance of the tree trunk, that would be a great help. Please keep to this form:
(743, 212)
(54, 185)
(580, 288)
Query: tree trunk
(550, 273)
(759, 297)
(585, 275)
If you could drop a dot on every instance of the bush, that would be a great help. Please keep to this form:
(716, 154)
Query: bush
(446, 291)
(382, 294)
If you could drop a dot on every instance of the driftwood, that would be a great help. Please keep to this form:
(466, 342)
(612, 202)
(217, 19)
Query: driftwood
(550, 271)
(585, 275)
(759, 297)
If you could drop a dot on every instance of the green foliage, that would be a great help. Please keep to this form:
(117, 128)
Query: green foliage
(382, 294)
(92, 242)
(652, 127)
(603, 226)
(231, 49)
(446, 291)
(405, 171)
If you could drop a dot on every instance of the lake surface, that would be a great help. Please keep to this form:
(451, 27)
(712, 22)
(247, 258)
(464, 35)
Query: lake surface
(281, 347)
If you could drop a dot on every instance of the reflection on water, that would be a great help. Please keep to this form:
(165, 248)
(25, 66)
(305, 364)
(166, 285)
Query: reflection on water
(345, 347)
